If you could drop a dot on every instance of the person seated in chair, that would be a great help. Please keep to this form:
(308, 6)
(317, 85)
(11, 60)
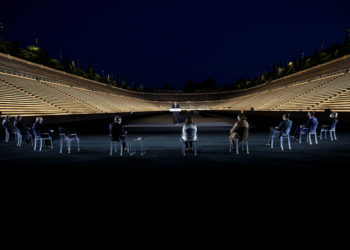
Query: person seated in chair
(23, 129)
(189, 133)
(117, 131)
(40, 127)
(240, 130)
(6, 123)
(311, 122)
(277, 131)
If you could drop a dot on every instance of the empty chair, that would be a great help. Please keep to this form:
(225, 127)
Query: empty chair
(330, 129)
(68, 138)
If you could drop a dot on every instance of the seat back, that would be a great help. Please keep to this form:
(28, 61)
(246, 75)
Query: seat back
(334, 124)
(190, 134)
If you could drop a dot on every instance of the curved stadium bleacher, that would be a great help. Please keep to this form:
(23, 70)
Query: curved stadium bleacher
(30, 89)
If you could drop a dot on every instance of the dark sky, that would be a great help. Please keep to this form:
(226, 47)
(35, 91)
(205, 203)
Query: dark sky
(174, 41)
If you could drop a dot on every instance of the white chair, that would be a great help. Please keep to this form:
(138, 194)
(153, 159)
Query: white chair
(7, 134)
(114, 143)
(19, 137)
(42, 138)
(284, 135)
(69, 138)
(308, 132)
(138, 139)
(237, 145)
(331, 131)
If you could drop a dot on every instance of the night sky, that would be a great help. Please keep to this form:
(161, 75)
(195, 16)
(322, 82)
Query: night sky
(152, 42)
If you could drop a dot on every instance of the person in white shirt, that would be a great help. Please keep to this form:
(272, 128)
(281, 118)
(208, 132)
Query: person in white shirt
(189, 133)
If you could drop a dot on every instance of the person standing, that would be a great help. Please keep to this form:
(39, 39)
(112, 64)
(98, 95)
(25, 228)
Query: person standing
(176, 115)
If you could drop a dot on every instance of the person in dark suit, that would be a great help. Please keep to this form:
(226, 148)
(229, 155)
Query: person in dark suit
(277, 131)
(176, 115)
(117, 131)
(311, 122)
(6, 123)
(40, 128)
(22, 128)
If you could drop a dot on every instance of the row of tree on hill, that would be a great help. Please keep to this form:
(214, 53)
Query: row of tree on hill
(278, 70)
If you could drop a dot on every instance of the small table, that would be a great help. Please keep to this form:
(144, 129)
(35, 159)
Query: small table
(140, 139)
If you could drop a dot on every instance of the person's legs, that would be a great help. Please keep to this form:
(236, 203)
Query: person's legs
(187, 145)
(190, 145)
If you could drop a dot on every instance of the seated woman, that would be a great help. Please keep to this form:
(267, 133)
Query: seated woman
(240, 130)
(189, 133)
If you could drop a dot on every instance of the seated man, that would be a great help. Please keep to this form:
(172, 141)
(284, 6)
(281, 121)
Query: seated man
(40, 128)
(117, 131)
(277, 131)
(311, 122)
(189, 133)
(240, 130)
(23, 129)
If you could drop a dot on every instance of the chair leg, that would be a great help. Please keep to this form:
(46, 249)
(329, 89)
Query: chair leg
(321, 134)
(20, 140)
(7, 137)
(247, 147)
(281, 141)
(78, 143)
(68, 145)
(230, 145)
(51, 145)
(316, 138)
(300, 138)
(309, 138)
(289, 143)
(272, 139)
(61, 146)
